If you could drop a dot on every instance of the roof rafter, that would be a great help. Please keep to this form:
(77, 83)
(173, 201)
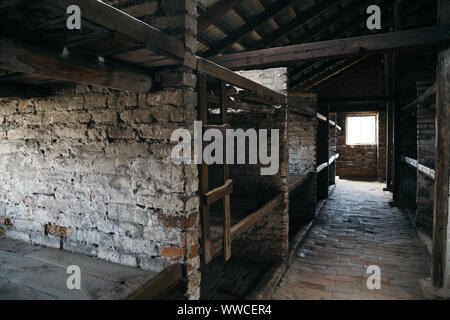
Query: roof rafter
(250, 26)
(214, 13)
(296, 23)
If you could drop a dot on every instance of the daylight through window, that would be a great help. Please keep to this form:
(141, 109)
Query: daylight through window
(361, 130)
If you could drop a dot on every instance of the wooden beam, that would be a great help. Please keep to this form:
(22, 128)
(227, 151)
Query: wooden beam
(159, 285)
(361, 45)
(219, 72)
(321, 117)
(247, 223)
(47, 62)
(247, 28)
(214, 13)
(114, 19)
(413, 163)
(440, 271)
(321, 167)
(330, 74)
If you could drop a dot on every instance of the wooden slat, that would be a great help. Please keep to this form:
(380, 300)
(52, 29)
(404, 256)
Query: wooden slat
(430, 173)
(246, 224)
(328, 163)
(333, 159)
(321, 117)
(158, 286)
(361, 45)
(116, 20)
(218, 193)
(219, 72)
(45, 61)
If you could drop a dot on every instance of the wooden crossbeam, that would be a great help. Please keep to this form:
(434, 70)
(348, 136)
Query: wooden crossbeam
(45, 61)
(361, 45)
(250, 26)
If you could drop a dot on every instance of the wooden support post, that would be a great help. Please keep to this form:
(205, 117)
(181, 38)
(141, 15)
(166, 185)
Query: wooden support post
(440, 254)
(396, 110)
(226, 174)
(203, 168)
(389, 120)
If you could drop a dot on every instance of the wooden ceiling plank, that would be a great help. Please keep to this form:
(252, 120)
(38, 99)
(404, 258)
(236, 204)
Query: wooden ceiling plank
(211, 15)
(296, 23)
(250, 26)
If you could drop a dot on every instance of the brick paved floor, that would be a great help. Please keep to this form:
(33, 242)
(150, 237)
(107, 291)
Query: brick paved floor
(355, 229)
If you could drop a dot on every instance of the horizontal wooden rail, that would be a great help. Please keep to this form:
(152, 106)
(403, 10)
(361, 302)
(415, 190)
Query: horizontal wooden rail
(334, 124)
(321, 117)
(430, 173)
(328, 163)
(322, 167)
(333, 159)
(427, 99)
(218, 193)
(247, 223)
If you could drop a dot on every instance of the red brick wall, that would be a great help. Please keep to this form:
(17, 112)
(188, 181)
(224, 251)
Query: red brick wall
(361, 162)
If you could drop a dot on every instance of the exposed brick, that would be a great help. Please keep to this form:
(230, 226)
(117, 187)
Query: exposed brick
(6, 221)
(57, 231)
(173, 253)
(179, 222)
